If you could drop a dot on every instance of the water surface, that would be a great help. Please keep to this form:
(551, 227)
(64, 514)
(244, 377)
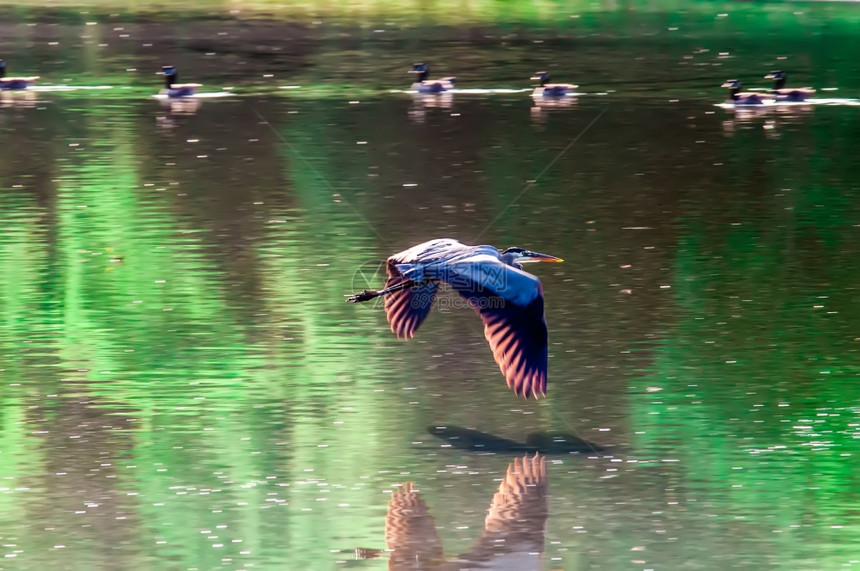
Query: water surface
(184, 388)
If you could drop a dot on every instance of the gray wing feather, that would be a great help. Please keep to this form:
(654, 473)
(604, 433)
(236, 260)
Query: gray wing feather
(510, 302)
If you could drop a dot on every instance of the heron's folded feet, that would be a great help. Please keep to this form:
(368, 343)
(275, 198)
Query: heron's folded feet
(366, 295)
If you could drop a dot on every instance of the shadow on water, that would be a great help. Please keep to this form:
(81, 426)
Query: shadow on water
(513, 535)
(540, 442)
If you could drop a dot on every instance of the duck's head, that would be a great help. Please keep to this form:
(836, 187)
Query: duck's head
(169, 73)
(731, 84)
(422, 69)
(516, 256)
(779, 78)
(542, 76)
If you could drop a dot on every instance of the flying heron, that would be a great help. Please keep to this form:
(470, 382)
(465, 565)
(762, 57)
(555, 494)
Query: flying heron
(509, 300)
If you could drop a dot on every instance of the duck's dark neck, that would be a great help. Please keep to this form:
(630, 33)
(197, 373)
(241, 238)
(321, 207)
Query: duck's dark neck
(169, 79)
(779, 83)
(544, 80)
(3, 71)
(423, 75)
(734, 91)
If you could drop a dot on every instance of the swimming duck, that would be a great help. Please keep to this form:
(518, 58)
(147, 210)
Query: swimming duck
(14, 82)
(748, 98)
(548, 89)
(424, 85)
(787, 94)
(173, 89)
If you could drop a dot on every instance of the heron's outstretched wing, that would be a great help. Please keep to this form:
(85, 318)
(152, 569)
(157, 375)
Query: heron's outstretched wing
(514, 528)
(410, 532)
(510, 301)
(407, 308)
(518, 338)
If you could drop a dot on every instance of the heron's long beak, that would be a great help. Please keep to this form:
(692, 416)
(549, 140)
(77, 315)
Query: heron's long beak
(536, 257)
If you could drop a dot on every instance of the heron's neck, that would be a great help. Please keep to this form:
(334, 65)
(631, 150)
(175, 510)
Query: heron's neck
(511, 259)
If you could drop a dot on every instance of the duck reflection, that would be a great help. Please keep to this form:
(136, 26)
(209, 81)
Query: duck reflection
(543, 106)
(768, 118)
(22, 98)
(177, 107)
(513, 536)
(421, 102)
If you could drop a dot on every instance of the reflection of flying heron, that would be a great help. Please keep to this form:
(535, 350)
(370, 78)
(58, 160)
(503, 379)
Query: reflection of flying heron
(509, 300)
(514, 528)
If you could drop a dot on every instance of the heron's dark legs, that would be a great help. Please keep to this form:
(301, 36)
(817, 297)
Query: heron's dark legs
(369, 294)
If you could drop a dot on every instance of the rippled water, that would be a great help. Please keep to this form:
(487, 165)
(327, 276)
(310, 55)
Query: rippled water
(184, 387)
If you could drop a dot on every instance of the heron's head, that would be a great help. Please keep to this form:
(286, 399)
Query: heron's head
(542, 76)
(777, 75)
(515, 256)
(731, 84)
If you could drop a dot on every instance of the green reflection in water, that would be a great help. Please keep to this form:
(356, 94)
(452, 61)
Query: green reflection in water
(341, 437)
(754, 389)
(133, 314)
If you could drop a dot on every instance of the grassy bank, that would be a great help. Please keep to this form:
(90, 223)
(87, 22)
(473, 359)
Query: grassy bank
(434, 12)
